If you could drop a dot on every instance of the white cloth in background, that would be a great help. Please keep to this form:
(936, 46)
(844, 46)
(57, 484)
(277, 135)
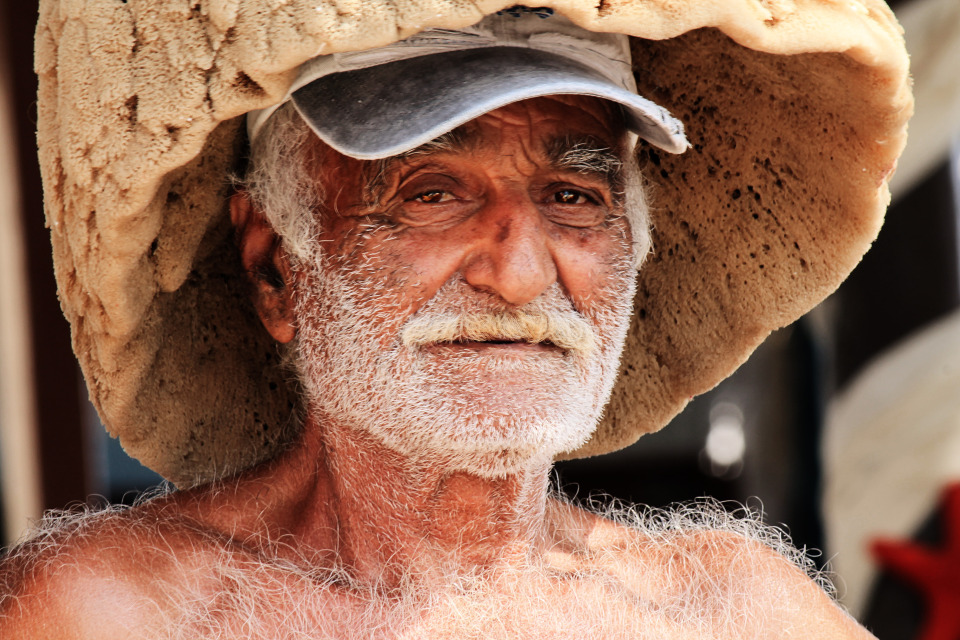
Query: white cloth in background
(891, 443)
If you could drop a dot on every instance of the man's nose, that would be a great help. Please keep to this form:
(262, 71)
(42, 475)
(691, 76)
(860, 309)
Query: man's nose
(512, 256)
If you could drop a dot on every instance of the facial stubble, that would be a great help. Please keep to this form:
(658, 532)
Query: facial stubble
(478, 411)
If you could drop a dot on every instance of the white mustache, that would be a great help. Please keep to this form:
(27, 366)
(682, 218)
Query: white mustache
(566, 329)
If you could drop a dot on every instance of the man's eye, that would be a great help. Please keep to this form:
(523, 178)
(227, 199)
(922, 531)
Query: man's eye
(571, 196)
(571, 206)
(432, 197)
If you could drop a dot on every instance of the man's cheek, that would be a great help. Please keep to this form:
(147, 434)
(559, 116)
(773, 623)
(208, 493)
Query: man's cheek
(593, 279)
(394, 292)
(421, 271)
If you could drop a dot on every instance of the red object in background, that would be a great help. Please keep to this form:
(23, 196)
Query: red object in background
(935, 572)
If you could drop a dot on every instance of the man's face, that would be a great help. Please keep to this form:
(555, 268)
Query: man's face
(468, 301)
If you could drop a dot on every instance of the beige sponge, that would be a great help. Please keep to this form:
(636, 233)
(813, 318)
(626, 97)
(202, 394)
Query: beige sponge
(796, 110)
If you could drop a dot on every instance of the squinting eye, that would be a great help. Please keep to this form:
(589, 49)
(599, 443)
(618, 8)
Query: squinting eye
(431, 197)
(570, 196)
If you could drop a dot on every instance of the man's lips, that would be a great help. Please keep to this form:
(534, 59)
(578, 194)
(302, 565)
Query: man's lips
(496, 346)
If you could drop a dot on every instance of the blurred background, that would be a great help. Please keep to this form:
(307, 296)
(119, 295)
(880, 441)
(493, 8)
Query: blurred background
(843, 428)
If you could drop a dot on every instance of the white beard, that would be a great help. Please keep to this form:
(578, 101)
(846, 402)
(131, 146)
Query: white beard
(485, 414)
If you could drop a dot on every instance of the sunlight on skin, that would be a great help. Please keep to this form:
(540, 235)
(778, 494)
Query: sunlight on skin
(415, 502)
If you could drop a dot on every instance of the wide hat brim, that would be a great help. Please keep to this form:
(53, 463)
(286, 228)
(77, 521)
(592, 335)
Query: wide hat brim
(796, 111)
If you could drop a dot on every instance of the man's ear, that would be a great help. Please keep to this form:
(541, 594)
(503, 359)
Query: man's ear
(267, 267)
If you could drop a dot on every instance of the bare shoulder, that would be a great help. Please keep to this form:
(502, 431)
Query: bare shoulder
(708, 569)
(93, 575)
(761, 576)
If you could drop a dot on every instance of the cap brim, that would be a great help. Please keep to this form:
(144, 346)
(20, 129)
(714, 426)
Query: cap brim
(389, 109)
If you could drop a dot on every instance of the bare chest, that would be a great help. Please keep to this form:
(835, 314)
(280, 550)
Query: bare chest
(270, 604)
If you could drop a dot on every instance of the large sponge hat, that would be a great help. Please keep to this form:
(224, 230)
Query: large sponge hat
(795, 109)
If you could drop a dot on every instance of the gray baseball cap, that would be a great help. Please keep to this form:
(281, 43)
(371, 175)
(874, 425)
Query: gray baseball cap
(382, 102)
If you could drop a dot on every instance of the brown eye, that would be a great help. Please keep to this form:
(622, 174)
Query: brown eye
(572, 206)
(430, 197)
(570, 196)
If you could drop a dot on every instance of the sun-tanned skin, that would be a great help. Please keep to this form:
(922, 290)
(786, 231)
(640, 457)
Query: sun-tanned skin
(326, 536)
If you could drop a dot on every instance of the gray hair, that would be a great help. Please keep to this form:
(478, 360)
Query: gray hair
(280, 183)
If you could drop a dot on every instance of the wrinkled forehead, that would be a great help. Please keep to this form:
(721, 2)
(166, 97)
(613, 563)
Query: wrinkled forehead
(548, 117)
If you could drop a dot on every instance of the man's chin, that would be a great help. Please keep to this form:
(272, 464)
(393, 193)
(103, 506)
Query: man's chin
(489, 449)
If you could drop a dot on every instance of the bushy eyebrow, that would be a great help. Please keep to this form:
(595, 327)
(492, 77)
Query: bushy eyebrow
(586, 155)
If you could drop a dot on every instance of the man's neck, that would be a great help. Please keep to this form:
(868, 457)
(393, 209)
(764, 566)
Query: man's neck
(387, 518)
(413, 514)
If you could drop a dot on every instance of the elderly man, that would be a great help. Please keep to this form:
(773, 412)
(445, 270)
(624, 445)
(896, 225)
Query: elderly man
(453, 264)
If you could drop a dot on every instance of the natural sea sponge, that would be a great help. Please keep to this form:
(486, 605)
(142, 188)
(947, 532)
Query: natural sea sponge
(796, 110)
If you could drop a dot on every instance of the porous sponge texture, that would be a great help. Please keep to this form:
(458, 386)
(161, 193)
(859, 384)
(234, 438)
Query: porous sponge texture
(796, 110)
(765, 215)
